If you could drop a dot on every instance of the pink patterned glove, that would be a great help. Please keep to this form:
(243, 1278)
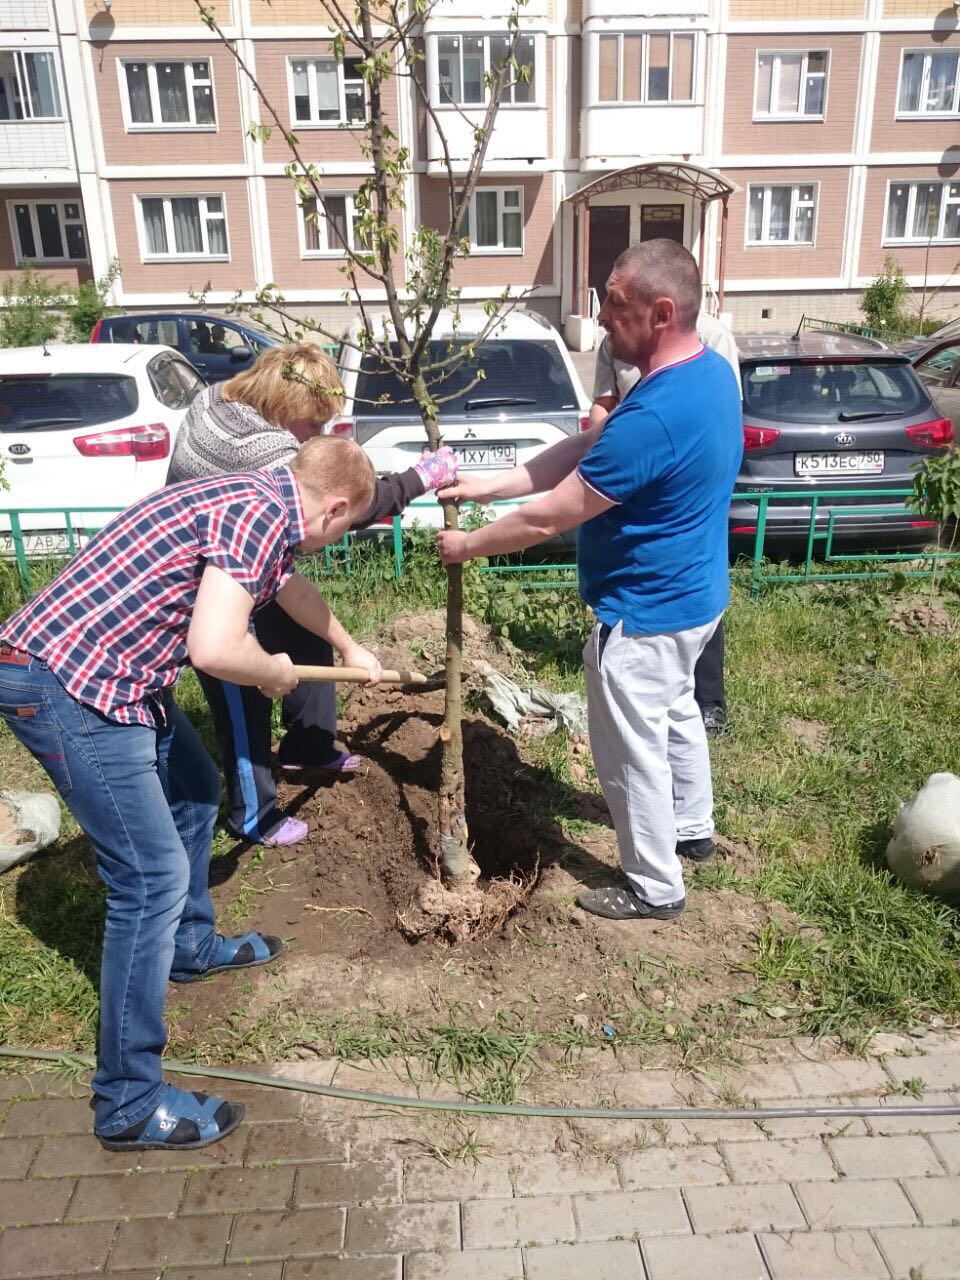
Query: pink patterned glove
(438, 470)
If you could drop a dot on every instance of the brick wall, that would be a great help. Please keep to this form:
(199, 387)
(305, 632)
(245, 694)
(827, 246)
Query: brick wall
(224, 145)
(494, 271)
(156, 13)
(941, 260)
(290, 270)
(70, 274)
(24, 15)
(742, 134)
(173, 276)
(890, 134)
(330, 145)
(794, 10)
(822, 258)
(291, 13)
(911, 8)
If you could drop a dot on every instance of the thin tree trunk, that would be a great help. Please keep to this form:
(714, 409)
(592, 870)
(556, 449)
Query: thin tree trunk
(456, 863)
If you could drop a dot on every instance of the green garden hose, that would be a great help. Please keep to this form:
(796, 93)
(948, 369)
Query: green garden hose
(501, 1109)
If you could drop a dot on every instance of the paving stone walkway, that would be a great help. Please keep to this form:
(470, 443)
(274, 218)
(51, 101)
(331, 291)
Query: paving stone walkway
(310, 1188)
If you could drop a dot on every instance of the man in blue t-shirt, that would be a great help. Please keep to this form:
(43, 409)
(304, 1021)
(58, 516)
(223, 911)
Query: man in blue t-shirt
(650, 489)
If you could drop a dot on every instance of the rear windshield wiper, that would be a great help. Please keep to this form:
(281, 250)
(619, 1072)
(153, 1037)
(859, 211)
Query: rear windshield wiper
(494, 400)
(42, 422)
(864, 415)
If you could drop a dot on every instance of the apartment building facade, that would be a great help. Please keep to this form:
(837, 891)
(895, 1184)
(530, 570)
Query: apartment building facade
(791, 146)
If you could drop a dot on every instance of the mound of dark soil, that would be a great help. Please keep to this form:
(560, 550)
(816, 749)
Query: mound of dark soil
(384, 820)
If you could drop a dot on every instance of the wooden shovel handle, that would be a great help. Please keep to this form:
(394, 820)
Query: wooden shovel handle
(358, 675)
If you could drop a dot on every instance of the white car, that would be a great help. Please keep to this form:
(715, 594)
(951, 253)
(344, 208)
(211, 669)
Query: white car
(85, 426)
(529, 397)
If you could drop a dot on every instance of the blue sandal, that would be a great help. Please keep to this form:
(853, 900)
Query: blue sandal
(245, 952)
(182, 1122)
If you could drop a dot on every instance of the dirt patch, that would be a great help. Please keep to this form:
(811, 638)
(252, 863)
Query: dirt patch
(419, 640)
(912, 617)
(341, 900)
(809, 733)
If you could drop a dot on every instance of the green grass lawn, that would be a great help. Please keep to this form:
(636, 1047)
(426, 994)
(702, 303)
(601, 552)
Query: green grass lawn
(837, 718)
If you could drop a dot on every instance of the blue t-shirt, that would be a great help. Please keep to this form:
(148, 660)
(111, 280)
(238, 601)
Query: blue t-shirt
(668, 457)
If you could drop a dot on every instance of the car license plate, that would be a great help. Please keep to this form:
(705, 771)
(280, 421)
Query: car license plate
(44, 543)
(485, 456)
(840, 464)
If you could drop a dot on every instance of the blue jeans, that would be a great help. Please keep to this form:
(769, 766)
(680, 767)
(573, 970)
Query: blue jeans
(147, 800)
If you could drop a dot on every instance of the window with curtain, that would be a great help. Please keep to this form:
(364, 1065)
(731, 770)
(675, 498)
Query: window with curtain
(169, 94)
(327, 91)
(331, 226)
(29, 85)
(922, 211)
(929, 82)
(791, 85)
(49, 231)
(464, 62)
(781, 213)
(496, 219)
(655, 66)
(183, 227)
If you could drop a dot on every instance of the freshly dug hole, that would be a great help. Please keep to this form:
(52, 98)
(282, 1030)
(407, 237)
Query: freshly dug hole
(386, 818)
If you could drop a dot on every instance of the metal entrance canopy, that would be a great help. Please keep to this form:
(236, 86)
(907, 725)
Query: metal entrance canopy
(704, 185)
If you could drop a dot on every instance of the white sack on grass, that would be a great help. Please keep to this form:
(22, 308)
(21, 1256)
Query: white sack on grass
(512, 702)
(925, 849)
(29, 821)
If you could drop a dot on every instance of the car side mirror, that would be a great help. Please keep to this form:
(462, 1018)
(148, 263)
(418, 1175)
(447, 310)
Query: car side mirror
(239, 354)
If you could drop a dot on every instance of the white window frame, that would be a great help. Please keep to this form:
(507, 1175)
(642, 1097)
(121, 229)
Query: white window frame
(62, 218)
(644, 99)
(795, 202)
(772, 113)
(171, 255)
(331, 248)
(18, 54)
(499, 249)
(507, 102)
(945, 202)
(341, 122)
(157, 124)
(923, 113)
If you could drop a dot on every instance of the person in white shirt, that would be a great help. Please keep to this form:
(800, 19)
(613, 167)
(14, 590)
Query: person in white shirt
(613, 380)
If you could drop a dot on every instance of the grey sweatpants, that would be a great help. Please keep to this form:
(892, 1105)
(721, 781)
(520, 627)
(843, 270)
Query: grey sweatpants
(650, 749)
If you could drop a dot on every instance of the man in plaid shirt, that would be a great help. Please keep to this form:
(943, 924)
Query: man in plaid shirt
(86, 674)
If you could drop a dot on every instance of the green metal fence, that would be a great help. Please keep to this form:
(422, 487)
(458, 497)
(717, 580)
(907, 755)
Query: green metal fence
(862, 330)
(821, 561)
(73, 534)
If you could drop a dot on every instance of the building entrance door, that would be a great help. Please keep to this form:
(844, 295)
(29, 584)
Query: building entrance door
(661, 222)
(609, 236)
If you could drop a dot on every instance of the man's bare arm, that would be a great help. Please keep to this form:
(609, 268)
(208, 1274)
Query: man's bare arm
(542, 473)
(569, 505)
(220, 642)
(601, 409)
(305, 604)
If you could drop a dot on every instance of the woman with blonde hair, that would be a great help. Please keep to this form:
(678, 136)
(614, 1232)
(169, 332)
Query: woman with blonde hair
(259, 419)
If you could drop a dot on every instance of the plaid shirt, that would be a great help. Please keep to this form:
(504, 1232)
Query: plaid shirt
(113, 625)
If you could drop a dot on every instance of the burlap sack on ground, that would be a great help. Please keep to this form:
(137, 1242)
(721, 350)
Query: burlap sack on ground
(29, 821)
(925, 850)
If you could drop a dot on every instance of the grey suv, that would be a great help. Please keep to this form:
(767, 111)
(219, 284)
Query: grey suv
(825, 411)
